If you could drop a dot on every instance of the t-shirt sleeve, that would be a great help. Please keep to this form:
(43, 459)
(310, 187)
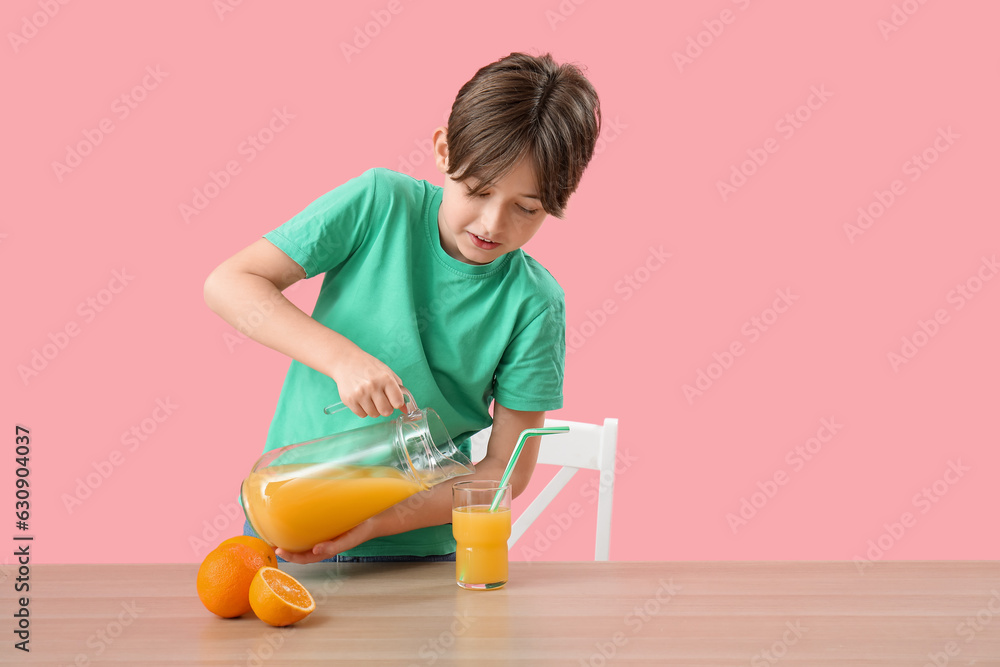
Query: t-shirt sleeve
(530, 374)
(326, 232)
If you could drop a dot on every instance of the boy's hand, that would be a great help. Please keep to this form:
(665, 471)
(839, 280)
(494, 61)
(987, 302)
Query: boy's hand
(367, 386)
(362, 532)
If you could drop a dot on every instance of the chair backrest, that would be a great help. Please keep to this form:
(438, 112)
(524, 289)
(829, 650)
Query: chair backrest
(586, 446)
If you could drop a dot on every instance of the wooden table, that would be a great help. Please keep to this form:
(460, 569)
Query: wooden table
(613, 613)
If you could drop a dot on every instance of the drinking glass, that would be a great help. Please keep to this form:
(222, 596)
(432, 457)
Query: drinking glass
(481, 534)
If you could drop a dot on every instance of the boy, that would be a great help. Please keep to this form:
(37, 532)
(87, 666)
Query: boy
(428, 288)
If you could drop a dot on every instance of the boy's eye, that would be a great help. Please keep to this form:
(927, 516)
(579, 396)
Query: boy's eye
(526, 211)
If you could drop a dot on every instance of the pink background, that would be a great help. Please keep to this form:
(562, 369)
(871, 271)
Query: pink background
(671, 134)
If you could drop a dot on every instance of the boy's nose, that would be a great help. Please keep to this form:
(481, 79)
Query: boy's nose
(492, 222)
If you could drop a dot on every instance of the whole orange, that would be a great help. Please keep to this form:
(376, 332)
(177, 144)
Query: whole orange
(258, 545)
(224, 579)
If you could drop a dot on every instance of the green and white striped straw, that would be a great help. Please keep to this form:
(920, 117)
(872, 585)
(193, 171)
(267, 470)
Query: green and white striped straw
(545, 430)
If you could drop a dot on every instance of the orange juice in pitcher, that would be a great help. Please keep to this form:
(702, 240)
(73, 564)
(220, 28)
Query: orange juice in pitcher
(299, 495)
(297, 512)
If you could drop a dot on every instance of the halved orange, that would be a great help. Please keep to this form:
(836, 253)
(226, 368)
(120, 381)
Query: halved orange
(258, 545)
(278, 598)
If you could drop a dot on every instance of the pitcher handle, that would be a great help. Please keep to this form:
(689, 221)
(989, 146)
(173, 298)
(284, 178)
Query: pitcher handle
(407, 397)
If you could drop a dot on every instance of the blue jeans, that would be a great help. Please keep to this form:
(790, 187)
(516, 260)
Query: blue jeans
(341, 558)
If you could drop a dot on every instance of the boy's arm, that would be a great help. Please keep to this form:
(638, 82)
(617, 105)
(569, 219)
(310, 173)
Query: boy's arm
(246, 291)
(433, 507)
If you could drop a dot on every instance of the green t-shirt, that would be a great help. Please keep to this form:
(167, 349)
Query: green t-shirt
(458, 335)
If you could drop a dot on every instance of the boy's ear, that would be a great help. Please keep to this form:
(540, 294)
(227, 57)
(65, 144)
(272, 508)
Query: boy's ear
(440, 143)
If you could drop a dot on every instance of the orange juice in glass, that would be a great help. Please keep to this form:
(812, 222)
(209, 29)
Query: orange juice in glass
(481, 534)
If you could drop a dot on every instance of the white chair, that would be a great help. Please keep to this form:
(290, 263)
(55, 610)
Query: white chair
(585, 446)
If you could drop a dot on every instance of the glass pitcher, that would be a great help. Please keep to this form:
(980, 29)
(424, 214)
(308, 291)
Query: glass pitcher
(299, 495)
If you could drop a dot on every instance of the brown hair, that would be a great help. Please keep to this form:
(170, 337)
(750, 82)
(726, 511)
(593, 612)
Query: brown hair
(519, 106)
